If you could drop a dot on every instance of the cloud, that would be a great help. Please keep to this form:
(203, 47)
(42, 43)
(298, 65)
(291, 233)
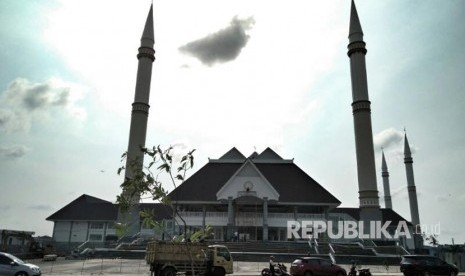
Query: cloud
(387, 138)
(41, 207)
(6, 207)
(222, 46)
(444, 197)
(25, 101)
(13, 151)
(35, 96)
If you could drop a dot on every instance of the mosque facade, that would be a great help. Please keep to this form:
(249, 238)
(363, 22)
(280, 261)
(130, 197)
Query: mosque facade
(247, 198)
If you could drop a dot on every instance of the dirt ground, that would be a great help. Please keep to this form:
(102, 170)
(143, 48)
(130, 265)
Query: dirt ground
(138, 267)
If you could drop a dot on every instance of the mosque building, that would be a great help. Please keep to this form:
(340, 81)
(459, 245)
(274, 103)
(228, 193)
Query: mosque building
(247, 198)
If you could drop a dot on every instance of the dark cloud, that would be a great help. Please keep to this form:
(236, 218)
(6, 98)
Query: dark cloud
(24, 101)
(13, 151)
(387, 138)
(222, 46)
(34, 96)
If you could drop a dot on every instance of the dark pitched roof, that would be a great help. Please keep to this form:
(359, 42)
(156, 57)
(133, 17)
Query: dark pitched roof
(205, 183)
(89, 208)
(233, 154)
(253, 155)
(293, 184)
(158, 210)
(86, 207)
(269, 154)
(387, 213)
(391, 215)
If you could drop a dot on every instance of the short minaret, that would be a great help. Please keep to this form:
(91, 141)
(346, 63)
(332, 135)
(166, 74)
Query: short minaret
(139, 117)
(368, 190)
(412, 190)
(387, 189)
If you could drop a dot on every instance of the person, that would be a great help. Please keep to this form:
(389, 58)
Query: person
(272, 265)
(353, 272)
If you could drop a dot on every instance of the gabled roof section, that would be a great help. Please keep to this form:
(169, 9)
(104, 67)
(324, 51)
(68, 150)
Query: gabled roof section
(387, 214)
(233, 154)
(295, 186)
(268, 154)
(158, 210)
(248, 172)
(86, 207)
(253, 155)
(290, 182)
(203, 185)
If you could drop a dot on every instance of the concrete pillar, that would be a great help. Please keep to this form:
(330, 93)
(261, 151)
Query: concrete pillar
(229, 232)
(204, 214)
(265, 218)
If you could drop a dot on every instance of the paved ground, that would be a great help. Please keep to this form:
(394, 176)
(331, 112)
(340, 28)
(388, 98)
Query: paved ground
(128, 267)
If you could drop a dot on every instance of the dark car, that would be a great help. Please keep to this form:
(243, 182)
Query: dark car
(426, 266)
(310, 266)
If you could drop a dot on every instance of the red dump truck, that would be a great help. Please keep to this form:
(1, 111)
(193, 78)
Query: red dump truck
(167, 258)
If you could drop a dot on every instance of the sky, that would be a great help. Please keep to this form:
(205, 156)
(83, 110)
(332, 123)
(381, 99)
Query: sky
(230, 74)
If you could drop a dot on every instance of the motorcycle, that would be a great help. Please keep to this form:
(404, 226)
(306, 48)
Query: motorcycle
(279, 270)
(364, 272)
(361, 272)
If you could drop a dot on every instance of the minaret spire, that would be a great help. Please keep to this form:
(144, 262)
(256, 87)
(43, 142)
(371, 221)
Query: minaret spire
(139, 118)
(355, 29)
(412, 194)
(147, 39)
(412, 190)
(366, 171)
(387, 190)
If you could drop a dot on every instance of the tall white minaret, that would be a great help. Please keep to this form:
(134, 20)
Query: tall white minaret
(139, 117)
(412, 190)
(368, 190)
(387, 189)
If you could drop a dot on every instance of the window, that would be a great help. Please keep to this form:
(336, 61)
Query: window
(223, 252)
(313, 261)
(95, 237)
(325, 263)
(4, 260)
(96, 225)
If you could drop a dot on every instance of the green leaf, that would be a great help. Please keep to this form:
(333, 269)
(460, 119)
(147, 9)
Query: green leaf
(192, 161)
(164, 167)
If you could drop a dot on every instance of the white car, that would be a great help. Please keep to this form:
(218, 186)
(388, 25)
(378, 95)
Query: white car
(11, 265)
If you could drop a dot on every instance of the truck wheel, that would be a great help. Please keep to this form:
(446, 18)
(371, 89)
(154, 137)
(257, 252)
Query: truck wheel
(219, 271)
(169, 271)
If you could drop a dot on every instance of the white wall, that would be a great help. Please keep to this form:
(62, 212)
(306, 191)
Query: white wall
(79, 231)
(61, 231)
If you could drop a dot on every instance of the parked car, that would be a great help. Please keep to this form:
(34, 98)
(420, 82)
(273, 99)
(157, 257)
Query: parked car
(426, 265)
(311, 266)
(11, 265)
